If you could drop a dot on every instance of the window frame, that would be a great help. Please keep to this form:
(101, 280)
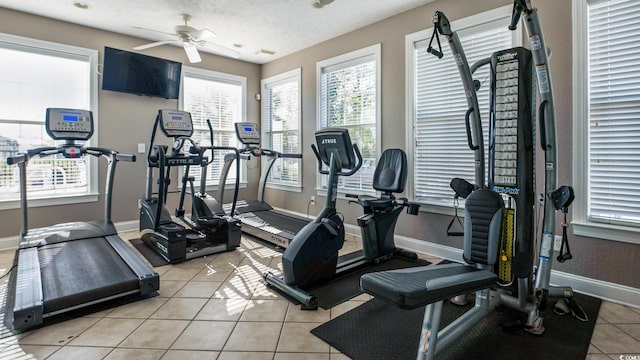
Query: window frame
(212, 75)
(50, 48)
(352, 58)
(494, 15)
(580, 222)
(294, 75)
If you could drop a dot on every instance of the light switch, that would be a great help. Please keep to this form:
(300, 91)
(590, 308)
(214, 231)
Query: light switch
(141, 148)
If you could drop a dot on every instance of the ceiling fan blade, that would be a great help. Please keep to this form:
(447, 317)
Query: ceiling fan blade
(157, 31)
(192, 52)
(203, 34)
(219, 49)
(157, 43)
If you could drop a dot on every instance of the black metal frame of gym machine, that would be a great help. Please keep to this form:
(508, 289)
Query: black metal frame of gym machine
(486, 300)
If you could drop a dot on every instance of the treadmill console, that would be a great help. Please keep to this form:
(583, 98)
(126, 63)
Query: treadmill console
(176, 123)
(248, 133)
(69, 124)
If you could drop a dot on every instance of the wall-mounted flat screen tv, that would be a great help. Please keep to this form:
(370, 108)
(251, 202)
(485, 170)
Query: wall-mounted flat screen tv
(128, 72)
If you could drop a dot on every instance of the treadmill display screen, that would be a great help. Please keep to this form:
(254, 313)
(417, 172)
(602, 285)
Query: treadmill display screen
(71, 118)
(248, 133)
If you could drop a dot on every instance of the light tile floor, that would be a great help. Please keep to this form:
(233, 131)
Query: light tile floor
(217, 308)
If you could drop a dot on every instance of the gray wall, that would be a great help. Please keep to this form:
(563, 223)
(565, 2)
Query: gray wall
(593, 258)
(124, 120)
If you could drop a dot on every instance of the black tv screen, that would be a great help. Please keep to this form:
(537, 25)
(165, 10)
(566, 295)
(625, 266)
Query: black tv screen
(128, 72)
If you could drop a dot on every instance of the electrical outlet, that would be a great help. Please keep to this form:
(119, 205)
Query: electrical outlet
(313, 199)
(557, 243)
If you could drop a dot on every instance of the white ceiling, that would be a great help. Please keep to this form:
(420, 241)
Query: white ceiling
(283, 26)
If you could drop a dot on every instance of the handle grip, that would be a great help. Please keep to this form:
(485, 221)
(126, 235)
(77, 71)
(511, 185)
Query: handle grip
(468, 125)
(543, 132)
(125, 157)
(515, 15)
(17, 159)
(435, 52)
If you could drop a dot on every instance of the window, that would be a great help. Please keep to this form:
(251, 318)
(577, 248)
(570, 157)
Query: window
(438, 147)
(607, 119)
(281, 127)
(219, 98)
(36, 75)
(349, 97)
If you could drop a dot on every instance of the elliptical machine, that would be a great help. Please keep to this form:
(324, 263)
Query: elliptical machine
(207, 231)
(312, 256)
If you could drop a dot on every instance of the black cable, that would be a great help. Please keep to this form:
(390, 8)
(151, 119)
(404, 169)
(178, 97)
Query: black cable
(8, 271)
(308, 208)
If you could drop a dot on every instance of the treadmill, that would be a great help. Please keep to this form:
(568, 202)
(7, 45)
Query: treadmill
(72, 265)
(258, 217)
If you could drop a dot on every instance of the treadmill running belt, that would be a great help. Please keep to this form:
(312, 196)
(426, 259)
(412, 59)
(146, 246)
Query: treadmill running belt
(81, 271)
(282, 221)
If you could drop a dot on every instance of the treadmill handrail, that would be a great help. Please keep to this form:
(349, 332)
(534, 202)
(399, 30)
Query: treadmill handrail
(23, 159)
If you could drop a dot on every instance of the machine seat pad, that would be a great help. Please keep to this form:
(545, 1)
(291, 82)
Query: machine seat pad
(419, 286)
(370, 201)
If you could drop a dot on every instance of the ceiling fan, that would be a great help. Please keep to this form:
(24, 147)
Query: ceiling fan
(190, 38)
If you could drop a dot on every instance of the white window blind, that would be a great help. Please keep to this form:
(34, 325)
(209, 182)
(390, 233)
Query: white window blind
(219, 98)
(36, 75)
(281, 126)
(614, 111)
(349, 98)
(440, 147)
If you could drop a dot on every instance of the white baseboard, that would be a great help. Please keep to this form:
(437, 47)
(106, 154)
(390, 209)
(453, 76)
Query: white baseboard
(9, 243)
(131, 225)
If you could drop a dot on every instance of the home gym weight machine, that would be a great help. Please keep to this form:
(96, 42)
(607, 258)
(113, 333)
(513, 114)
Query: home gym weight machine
(72, 265)
(312, 256)
(209, 230)
(488, 222)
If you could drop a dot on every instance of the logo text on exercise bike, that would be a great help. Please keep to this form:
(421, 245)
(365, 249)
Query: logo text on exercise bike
(507, 56)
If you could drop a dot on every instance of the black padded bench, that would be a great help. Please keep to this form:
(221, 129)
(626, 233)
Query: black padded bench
(417, 287)
(430, 285)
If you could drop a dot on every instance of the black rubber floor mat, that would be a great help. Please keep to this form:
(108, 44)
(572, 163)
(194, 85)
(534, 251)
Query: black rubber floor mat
(348, 286)
(377, 330)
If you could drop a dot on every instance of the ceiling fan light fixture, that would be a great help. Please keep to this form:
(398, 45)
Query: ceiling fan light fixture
(319, 4)
(192, 53)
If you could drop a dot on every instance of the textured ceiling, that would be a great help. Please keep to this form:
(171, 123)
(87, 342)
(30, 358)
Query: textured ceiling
(283, 26)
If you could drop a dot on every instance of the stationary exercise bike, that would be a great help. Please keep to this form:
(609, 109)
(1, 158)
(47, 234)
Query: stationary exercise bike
(312, 256)
(209, 230)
